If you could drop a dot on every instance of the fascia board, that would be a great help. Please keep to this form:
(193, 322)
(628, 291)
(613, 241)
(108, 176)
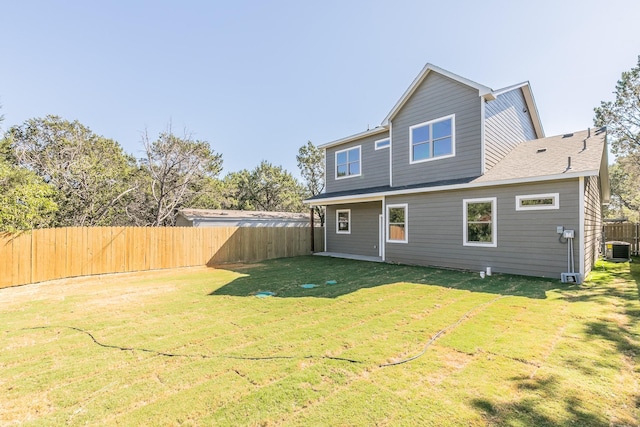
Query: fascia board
(370, 132)
(533, 110)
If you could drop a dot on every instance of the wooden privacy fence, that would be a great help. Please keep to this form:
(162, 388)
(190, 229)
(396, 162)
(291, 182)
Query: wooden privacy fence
(56, 253)
(624, 232)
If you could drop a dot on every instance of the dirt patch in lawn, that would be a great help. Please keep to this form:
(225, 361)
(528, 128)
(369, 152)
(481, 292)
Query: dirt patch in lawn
(117, 291)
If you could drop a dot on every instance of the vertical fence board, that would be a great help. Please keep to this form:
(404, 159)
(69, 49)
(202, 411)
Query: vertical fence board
(87, 235)
(22, 254)
(60, 253)
(6, 260)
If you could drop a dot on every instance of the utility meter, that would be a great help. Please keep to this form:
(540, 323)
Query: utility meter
(568, 234)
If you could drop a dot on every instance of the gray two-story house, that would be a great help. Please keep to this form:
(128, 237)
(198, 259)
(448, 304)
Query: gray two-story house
(459, 175)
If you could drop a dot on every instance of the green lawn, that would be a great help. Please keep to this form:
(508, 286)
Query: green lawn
(197, 347)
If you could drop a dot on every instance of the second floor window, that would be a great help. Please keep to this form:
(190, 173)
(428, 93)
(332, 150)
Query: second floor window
(432, 140)
(348, 162)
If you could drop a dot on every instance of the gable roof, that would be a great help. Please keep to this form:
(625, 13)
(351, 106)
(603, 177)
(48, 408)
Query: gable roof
(483, 91)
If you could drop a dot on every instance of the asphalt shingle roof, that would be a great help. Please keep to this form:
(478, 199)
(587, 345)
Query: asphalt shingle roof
(550, 156)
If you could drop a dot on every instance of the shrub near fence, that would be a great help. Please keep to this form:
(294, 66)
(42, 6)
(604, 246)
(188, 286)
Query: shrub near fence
(56, 253)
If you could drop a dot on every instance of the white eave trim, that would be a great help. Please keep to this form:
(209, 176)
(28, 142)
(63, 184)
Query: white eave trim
(379, 196)
(483, 91)
(370, 132)
(533, 110)
(499, 92)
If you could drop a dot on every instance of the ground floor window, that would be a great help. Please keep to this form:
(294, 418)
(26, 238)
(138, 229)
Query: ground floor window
(343, 221)
(480, 223)
(397, 230)
(535, 202)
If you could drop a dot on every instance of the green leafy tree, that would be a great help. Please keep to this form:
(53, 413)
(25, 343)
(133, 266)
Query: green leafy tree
(311, 164)
(210, 193)
(91, 174)
(625, 196)
(622, 118)
(178, 168)
(265, 188)
(26, 201)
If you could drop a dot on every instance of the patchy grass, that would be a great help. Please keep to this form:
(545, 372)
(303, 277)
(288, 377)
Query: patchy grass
(196, 347)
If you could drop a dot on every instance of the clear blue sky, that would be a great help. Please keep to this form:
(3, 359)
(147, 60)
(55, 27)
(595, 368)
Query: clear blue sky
(257, 79)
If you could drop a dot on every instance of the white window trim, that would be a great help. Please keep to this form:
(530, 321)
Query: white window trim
(406, 223)
(338, 212)
(554, 196)
(494, 222)
(384, 146)
(453, 139)
(359, 147)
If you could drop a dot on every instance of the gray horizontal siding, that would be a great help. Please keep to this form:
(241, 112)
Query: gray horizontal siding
(363, 239)
(507, 123)
(436, 97)
(374, 166)
(592, 221)
(527, 240)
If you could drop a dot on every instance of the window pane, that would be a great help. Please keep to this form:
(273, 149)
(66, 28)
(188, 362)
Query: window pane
(382, 144)
(420, 134)
(442, 147)
(354, 154)
(396, 215)
(536, 202)
(341, 158)
(354, 168)
(342, 170)
(421, 151)
(479, 212)
(442, 129)
(343, 221)
(479, 233)
(396, 232)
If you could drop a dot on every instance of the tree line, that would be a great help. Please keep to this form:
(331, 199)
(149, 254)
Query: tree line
(58, 173)
(54, 173)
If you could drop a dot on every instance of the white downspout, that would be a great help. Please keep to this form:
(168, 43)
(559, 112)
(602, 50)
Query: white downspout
(384, 229)
(581, 251)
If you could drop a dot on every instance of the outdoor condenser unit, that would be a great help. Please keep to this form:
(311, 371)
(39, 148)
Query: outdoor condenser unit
(618, 251)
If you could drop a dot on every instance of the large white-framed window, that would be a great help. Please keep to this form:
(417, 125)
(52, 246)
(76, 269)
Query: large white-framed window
(383, 143)
(480, 222)
(397, 223)
(343, 221)
(348, 163)
(537, 202)
(432, 140)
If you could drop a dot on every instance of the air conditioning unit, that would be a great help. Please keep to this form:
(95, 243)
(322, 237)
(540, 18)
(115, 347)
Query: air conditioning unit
(618, 251)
